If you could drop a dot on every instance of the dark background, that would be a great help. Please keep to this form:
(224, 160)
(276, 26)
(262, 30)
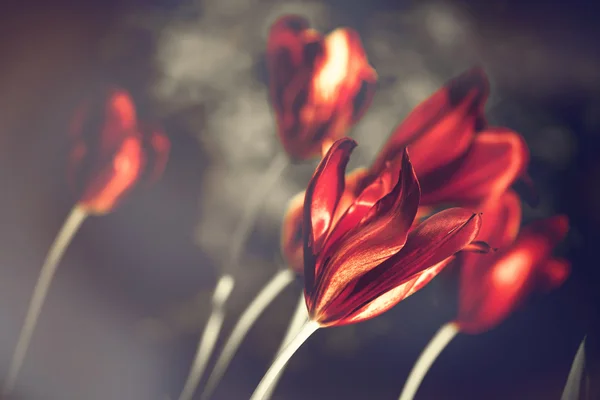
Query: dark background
(131, 296)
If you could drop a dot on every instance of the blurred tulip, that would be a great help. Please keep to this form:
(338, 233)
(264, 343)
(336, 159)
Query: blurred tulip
(458, 158)
(494, 284)
(111, 151)
(320, 86)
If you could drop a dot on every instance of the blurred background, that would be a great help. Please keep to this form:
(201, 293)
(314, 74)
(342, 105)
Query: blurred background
(132, 294)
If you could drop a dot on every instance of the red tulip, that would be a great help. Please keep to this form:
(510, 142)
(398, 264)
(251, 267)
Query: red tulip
(111, 152)
(457, 157)
(364, 261)
(457, 163)
(320, 86)
(493, 285)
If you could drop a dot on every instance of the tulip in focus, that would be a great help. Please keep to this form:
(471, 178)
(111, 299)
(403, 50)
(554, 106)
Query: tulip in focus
(363, 256)
(319, 86)
(110, 153)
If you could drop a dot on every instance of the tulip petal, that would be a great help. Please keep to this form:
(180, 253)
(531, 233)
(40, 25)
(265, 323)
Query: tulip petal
(496, 158)
(512, 275)
(107, 158)
(477, 246)
(553, 273)
(367, 244)
(389, 299)
(322, 196)
(450, 116)
(291, 234)
(430, 243)
(500, 225)
(156, 150)
(291, 230)
(112, 182)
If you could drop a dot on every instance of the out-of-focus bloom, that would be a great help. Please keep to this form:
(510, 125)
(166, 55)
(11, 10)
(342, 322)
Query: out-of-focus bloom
(361, 258)
(494, 284)
(111, 152)
(458, 159)
(319, 86)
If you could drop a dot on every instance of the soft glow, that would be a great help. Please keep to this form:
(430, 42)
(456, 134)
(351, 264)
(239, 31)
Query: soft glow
(335, 69)
(512, 269)
(125, 169)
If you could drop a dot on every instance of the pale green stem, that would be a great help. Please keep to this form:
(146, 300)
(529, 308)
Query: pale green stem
(262, 300)
(238, 238)
(282, 359)
(57, 249)
(298, 320)
(573, 385)
(209, 336)
(426, 359)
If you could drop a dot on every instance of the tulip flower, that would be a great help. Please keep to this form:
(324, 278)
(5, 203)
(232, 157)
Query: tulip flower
(493, 285)
(320, 86)
(110, 154)
(360, 262)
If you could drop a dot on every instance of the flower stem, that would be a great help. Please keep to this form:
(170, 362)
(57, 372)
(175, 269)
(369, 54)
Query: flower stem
(57, 249)
(277, 366)
(262, 300)
(298, 320)
(443, 336)
(252, 207)
(209, 336)
(576, 374)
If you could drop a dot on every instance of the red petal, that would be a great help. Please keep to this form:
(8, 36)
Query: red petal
(291, 234)
(106, 158)
(291, 231)
(553, 273)
(156, 148)
(440, 129)
(389, 299)
(496, 158)
(506, 283)
(111, 183)
(477, 247)
(351, 253)
(500, 225)
(322, 196)
(430, 243)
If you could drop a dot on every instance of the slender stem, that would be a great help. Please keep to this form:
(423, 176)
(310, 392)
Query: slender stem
(299, 318)
(573, 385)
(57, 249)
(236, 245)
(252, 207)
(426, 359)
(209, 336)
(282, 359)
(265, 297)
